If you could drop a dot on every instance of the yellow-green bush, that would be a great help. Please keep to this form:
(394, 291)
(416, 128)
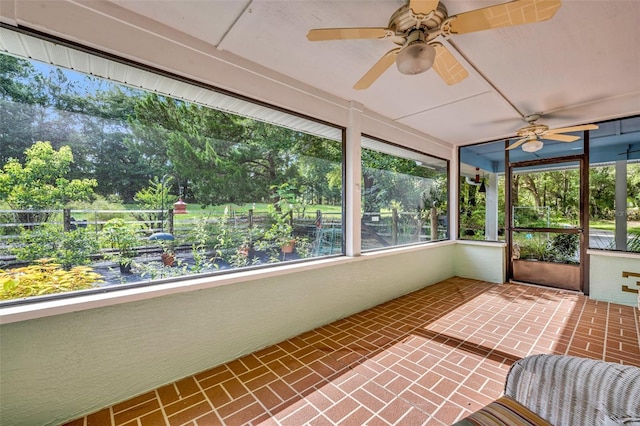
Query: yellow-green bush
(45, 277)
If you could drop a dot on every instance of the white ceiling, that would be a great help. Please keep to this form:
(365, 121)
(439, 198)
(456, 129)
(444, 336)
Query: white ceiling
(583, 65)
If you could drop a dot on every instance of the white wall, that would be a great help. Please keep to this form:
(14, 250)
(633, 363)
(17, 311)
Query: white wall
(606, 280)
(62, 366)
(480, 260)
(51, 366)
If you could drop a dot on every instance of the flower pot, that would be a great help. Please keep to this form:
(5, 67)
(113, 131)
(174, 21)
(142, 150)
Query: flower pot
(168, 259)
(288, 247)
(557, 275)
(125, 268)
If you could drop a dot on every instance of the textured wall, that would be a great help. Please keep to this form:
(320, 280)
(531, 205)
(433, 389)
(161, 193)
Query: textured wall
(57, 368)
(481, 261)
(605, 277)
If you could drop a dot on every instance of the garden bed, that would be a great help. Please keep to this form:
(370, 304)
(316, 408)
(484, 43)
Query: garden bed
(559, 275)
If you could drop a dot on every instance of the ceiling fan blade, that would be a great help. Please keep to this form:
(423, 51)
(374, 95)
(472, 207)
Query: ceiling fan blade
(516, 12)
(423, 7)
(573, 129)
(323, 34)
(517, 143)
(447, 66)
(376, 71)
(559, 137)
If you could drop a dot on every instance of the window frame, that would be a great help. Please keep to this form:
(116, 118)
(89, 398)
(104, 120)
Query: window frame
(394, 149)
(222, 275)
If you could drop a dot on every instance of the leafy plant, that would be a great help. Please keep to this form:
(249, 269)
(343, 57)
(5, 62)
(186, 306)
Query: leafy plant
(201, 240)
(45, 277)
(121, 236)
(156, 270)
(40, 183)
(72, 248)
(562, 248)
(154, 197)
(227, 237)
(565, 246)
(280, 233)
(634, 243)
(534, 248)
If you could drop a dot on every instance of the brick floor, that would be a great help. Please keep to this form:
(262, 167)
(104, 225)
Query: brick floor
(427, 358)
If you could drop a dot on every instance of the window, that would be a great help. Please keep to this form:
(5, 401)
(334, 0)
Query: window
(614, 186)
(482, 192)
(126, 176)
(404, 196)
(548, 197)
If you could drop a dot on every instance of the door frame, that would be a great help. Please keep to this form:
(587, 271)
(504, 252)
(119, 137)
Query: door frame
(582, 230)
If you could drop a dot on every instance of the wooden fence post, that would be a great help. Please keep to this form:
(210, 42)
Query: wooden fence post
(434, 224)
(66, 220)
(250, 218)
(394, 226)
(170, 221)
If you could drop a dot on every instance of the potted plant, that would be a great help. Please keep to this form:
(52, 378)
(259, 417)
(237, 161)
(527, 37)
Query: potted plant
(281, 234)
(121, 237)
(166, 241)
(168, 256)
(553, 261)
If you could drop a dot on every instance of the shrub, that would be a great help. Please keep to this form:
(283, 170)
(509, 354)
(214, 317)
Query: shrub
(121, 236)
(565, 246)
(562, 248)
(45, 278)
(634, 243)
(72, 248)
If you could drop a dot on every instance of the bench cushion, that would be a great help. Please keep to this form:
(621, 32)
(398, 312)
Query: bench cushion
(505, 411)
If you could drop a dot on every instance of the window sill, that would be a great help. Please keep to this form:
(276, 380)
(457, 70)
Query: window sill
(48, 308)
(611, 253)
(482, 243)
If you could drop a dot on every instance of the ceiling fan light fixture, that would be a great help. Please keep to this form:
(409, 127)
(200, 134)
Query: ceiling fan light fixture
(415, 58)
(532, 145)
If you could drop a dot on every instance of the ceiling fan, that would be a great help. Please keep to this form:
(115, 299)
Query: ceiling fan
(531, 134)
(415, 26)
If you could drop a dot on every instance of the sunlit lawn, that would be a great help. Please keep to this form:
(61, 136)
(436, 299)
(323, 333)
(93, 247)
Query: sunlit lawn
(633, 227)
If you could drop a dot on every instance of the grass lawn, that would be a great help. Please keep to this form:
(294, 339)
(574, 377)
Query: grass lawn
(633, 227)
(197, 209)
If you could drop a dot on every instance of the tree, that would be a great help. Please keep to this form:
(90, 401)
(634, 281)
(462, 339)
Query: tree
(40, 184)
(18, 102)
(388, 178)
(14, 80)
(85, 113)
(226, 158)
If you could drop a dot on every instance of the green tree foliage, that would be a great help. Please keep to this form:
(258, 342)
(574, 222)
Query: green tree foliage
(227, 158)
(633, 183)
(389, 178)
(155, 197)
(40, 183)
(85, 113)
(602, 185)
(17, 106)
(14, 75)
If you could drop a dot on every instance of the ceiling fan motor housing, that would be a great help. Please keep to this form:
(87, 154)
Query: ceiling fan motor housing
(533, 130)
(404, 20)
